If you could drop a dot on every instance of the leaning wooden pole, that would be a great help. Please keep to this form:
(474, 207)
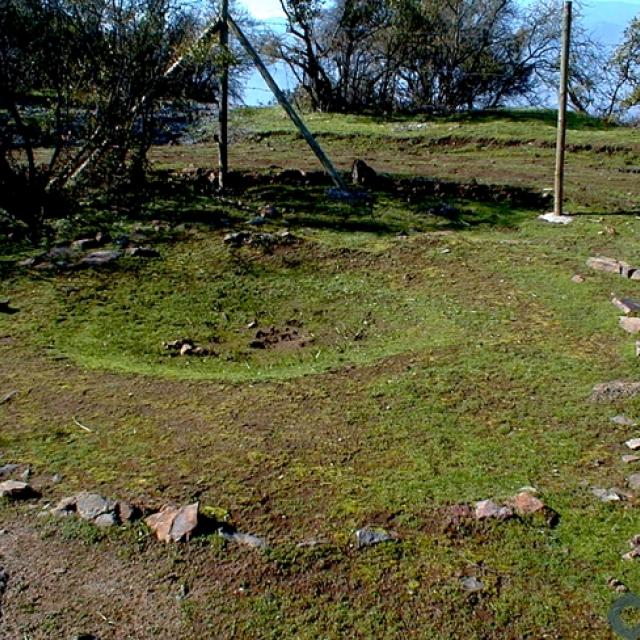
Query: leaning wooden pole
(223, 107)
(286, 105)
(562, 110)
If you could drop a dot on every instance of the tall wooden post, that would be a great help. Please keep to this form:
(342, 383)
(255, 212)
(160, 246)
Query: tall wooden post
(562, 109)
(223, 108)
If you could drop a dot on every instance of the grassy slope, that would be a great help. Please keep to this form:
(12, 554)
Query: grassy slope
(470, 381)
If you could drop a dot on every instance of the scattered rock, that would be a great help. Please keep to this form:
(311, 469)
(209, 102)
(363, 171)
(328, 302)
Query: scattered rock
(630, 325)
(65, 507)
(369, 536)
(186, 347)
(16, 490)
(555, 219)
(634, 481)
(487, 509)
(99, 258)
(126, 512)
(91, 505)
(637, 348)
(628, 459)
(527, 504)
(143, 252)
(258, 221)
(578, 279)
(25, 476)
(237, 238)
(471, 584)
(105, 521)
(185, 523)
(617, 585)
(608, 495)
(56, 478)
(160, 523)
(626, 305)
(633, 444)
(615, 390)
(173, 524)
(608, 265)
(8, 469)
(634, 543)
(623, 421)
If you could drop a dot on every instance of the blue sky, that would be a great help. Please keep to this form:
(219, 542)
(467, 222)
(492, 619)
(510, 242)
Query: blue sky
(605, 18)
(268, 9)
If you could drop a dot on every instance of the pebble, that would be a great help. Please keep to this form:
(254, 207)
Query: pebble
(471, 584)
(369, 536)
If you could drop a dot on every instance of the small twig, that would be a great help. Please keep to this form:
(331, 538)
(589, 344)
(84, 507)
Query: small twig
(82, 426)
(9, 396)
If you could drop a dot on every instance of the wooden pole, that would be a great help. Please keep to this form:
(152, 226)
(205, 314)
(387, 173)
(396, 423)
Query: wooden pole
(286, 105)
(562, 110)
(223, 110)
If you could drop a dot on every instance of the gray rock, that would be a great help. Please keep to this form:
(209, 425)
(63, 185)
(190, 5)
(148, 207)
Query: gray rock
(8, 469)
(369, 536)
(615, 390)
(607, 495)
(623, 421)
(105, 521)
(16, 490)
(66, 507)
(25, 475)
(487, 509)
(471, 584)
(633, 444)
(634, 481)
(626, 305)
(237, 238)
(99, 258)
(91, 505)
(628, 459)
(143, 252)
